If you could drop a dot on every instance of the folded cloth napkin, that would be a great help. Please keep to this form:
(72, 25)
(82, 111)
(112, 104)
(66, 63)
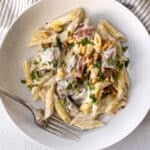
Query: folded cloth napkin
(10, 9)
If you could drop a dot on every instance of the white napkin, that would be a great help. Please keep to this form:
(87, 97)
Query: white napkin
(10, 9)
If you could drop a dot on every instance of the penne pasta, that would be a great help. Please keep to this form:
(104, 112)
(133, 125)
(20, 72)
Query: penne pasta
(103, 32)
(42, 39)
(61, 111)
(122, 88)
(44, 79)
(35, 93)
(127, 80)
(26, 68)
(49, 102)
(98, 42)
(87, 21)
(85, 108)
(113, 31)
(85, 122)
(42, 95)
(69, 17)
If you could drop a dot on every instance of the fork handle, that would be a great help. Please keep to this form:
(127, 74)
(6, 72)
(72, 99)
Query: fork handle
(16, 98)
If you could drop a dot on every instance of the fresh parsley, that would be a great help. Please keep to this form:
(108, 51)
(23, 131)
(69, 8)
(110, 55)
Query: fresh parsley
(23, 81)
(50, 62)
(90, 85)
(120, 65)
(44, 64)
(112, 61)
(127, 63)
(75, 84)
(124, 49)
(115, 76)
(40, 59)
(97, 64)
(71, 45)
(86, 41)
(93, 99)
(44, 49)
(35, 75)
(32, 86)
(64, 63)
(101, 76)
(35, 62)
(69, 86)
(78, 90)
(63, 102)
(69, 33)
(55, 63)
(58, 42)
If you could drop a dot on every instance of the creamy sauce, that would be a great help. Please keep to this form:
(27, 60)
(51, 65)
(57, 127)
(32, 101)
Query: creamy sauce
(49, 54)
(46, 58)
(71, 63)
(109, 53)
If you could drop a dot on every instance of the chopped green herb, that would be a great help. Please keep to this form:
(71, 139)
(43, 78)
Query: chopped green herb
(72, 45)
(127, 63)
(36, 75)
(63, 102)
(92, 97)
(115, 76)
(86, 41)
(33, 75)
(23, 81)
(97, 65)
(44, 64)
(31, 86)
(124, 89)
(69, 86)
(120, 65)
(35, 62)
(90, 85)
(69, 33)
(40, 59)
(55, 64)
(50, 62)
(64, 63)
(101, 76)
(78, 90)
(75, 84)
(45, 46)
(39, 74)
(111, 61)
(58, 42)
(124, 49)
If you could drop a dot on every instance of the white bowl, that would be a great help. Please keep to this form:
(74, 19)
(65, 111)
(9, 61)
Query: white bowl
(15, 50)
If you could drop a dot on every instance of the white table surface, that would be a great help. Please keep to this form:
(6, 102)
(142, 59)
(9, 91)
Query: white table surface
(12, 139)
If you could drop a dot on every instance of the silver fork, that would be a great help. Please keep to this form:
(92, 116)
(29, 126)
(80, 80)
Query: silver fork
(52, 125)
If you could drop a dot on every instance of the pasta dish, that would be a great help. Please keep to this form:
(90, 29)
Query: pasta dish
(79, 71)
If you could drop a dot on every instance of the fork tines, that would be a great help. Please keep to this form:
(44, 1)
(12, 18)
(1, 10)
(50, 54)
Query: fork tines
(59, 128)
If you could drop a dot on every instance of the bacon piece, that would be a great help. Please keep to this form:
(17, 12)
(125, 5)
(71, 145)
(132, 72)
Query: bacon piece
(85, 31)
(80, 67)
